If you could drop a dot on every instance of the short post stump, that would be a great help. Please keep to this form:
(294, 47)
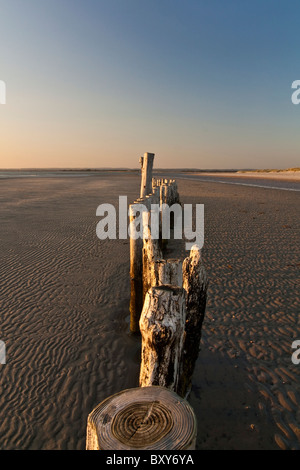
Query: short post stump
(143, 418)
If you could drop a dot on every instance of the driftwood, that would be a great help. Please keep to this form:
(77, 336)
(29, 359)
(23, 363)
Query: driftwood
(195, 284)
(148, 418)
(162, 325)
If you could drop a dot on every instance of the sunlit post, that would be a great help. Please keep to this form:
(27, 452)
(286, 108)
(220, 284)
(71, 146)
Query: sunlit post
(147, 167)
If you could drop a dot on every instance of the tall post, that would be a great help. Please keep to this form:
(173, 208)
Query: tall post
(147, 168)
(162, 325)
(195, 284)
(136, 275)
(151, 253)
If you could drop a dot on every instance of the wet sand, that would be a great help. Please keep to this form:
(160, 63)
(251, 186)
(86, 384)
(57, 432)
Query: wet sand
(254, 180)
(247, 390)
(64, 313)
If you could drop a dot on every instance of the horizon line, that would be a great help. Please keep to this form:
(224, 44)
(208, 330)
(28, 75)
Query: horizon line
(154, 169)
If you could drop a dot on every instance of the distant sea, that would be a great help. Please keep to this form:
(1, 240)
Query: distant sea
(5, 174)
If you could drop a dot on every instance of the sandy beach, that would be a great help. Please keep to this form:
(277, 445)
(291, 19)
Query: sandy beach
(280, 175)
(65, 312)
(246, 389)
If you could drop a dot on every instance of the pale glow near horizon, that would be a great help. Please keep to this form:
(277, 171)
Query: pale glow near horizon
(96, 84)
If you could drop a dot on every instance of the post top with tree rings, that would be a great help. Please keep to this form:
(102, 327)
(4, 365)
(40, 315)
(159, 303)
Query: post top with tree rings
(142, 422)
(144, 418)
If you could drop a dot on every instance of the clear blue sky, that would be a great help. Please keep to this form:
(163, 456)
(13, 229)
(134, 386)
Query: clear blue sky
(201, 83)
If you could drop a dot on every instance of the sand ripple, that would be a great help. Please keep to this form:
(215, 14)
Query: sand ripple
(252, 257)
(64, 300)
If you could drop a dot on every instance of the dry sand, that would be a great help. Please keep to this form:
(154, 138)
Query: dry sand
(280, 175)
(64, 313)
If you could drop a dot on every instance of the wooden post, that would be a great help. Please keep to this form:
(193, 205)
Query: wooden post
(162, 325)
(156, 195)
(163, 194)
(174, 192)
(147, 167)
(195, 284)
(151, 253)
(154, 184)
(136, 277)
(169, 272)
(148, 418)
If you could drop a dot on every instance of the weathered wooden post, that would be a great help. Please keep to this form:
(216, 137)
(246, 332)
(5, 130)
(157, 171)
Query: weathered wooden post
(147, 167)
(195, 284)
(163, 194)
(173, 197)
(151, 253)
(162, 326)
(136, 272)
(169, 272)
(136, 243)
(155, 194)
(177, 199)
(148, 418)
(163, 197)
